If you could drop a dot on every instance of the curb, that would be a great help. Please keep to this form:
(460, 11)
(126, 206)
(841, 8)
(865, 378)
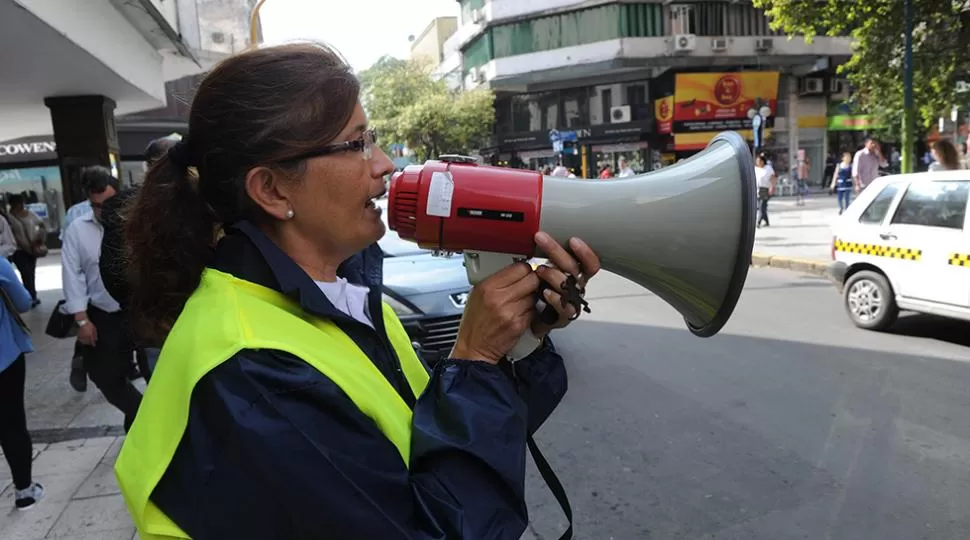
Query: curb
(814, 267)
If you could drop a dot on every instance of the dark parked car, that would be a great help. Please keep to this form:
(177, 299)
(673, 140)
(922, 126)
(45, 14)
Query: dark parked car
(427, 292)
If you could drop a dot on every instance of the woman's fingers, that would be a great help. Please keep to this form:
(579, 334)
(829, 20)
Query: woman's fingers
(588, 260)
(557, 255)
(566, 312)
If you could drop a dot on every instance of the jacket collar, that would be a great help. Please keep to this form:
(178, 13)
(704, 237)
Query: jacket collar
(247, 253)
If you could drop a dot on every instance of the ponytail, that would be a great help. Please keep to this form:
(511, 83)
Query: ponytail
(170, 236)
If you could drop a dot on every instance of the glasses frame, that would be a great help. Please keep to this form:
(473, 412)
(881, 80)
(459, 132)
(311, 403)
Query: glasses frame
(364, 144)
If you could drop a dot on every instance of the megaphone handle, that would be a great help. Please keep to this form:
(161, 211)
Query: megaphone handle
(478, 266)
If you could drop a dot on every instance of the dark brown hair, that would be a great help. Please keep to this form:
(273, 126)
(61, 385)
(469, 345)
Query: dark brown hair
(258, 108)
(949, 158)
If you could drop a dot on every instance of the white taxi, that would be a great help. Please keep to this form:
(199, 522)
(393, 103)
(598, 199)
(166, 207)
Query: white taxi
(904, 244)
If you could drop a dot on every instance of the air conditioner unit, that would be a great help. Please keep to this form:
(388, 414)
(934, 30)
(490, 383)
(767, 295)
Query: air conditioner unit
(719, 44)
(477, 15)
(620, 114)
(685, 42)
(812, 85)
(763, 44)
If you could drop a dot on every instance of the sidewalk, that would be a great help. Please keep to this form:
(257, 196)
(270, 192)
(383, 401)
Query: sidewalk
(75, 442)
(800, 235)
(82, 500)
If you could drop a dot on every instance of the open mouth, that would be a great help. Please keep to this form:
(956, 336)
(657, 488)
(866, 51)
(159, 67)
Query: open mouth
(372, 202)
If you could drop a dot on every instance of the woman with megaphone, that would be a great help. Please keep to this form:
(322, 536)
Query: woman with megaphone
(287, 401)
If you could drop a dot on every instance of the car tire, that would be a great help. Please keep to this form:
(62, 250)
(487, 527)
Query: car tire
(870, 301)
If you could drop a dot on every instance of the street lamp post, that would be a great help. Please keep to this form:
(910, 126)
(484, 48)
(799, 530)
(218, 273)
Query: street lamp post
(253, 24)
(909, 114)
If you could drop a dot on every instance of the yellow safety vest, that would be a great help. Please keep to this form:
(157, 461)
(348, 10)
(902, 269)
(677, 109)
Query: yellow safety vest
(222, 317)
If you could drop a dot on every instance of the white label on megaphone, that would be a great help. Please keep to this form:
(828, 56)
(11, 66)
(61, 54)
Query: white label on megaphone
(440, 194)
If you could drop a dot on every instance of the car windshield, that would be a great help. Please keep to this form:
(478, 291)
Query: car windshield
(392, 244)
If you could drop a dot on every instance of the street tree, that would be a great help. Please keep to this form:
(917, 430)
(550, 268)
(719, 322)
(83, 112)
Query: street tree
(941, 39)
(409, 106)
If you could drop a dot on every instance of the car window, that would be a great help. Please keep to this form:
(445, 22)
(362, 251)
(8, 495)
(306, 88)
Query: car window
(934, 204)
(877, 209)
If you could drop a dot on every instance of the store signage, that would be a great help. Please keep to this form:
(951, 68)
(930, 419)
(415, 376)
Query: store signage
(664, 112)
(858, 122)
(621, 131)
(27, 148)
(721, 101)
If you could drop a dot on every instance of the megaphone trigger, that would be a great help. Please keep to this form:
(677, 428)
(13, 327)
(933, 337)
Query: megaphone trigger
(571, 294)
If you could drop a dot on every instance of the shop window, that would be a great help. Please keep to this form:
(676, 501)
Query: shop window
(642, 20)
(41, 186)
(636, 98)
(683, 19)
(535, 112)
(478, 53)
(503, 115)
(561, 30)
(575, 104)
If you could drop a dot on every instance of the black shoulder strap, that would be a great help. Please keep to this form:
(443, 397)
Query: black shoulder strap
(551, 480)
(545, 470)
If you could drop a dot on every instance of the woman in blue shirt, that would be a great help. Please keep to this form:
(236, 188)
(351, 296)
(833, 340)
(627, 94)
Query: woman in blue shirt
(14, 345)
(842, 181)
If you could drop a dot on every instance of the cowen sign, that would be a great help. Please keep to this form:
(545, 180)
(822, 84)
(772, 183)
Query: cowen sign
(28, 149)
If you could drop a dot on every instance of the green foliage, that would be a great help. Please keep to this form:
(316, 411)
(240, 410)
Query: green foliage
(941, 38)
(407, 106)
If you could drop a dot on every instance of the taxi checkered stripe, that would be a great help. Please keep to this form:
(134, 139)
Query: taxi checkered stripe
(960, 259)
(880, 251)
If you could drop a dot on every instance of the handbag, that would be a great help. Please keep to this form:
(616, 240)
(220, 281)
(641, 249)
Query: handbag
(61, 325)
(14, 312)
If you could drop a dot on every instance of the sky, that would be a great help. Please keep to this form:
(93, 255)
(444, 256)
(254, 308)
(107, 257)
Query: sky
(362, 30)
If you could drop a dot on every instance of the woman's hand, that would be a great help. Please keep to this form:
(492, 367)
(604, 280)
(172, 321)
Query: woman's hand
(499, 311)
(583, 267)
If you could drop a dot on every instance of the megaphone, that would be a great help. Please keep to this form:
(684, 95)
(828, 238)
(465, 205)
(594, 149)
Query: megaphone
(685, 232)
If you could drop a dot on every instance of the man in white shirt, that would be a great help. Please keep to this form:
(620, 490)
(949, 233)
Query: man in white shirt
(866, 164)
(625, 169)
(102, 326)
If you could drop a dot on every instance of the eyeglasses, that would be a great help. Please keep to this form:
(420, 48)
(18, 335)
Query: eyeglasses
(364, 144)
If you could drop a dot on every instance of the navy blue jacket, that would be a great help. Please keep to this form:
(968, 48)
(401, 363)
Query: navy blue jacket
(274, 449)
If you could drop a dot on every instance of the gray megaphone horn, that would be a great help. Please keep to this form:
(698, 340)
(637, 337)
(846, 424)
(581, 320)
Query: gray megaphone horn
(684, 232)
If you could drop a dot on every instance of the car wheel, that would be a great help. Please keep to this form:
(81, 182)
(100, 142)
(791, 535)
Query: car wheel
(870, 301)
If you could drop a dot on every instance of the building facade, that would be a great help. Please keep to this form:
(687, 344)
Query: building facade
(33, 160)
(585, 81)
(430, 43)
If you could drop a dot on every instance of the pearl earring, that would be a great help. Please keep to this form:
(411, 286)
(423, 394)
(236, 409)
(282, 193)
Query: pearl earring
(290, 213)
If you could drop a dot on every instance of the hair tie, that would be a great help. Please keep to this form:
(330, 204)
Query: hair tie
(180, 154)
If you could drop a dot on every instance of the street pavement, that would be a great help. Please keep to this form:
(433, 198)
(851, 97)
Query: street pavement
(799, 231)
(791, 423)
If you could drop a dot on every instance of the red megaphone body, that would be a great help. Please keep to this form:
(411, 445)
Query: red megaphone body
(454, 204)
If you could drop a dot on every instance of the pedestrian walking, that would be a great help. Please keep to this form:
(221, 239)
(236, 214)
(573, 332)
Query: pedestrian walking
(803, 171)
(31, 236)
(102, 329)
(945, 157)
(866, 164)
(766, 180)
(842, 182)
(113, 260)
(15, 343)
